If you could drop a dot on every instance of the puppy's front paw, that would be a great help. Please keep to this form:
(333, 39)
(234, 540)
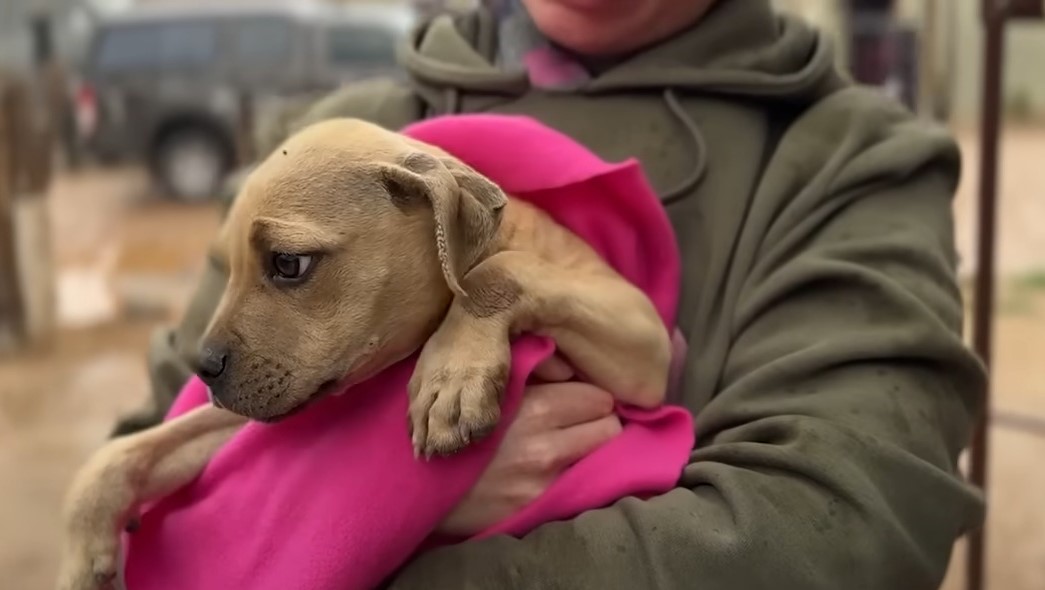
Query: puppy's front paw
(456, 403)
(97, 506)
(90, 564)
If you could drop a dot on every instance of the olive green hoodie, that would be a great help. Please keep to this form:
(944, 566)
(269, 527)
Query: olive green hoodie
(826, 368)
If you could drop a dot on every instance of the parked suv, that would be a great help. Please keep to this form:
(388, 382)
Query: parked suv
(166, 86)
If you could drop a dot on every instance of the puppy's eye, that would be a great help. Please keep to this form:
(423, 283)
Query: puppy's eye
(290, 268)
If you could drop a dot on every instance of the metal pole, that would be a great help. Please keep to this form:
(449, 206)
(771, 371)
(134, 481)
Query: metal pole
(994, 18)
(929, 79)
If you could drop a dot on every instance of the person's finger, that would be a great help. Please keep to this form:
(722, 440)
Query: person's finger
(553, 369)
(572, 444)
(559, 405)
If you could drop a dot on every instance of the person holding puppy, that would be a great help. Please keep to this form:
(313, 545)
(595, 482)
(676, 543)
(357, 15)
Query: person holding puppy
(825, 365)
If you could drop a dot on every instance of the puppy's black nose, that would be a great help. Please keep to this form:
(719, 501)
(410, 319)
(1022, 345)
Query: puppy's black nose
(211, 363)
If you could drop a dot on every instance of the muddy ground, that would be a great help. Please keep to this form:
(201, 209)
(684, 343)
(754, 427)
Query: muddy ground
(58, 402)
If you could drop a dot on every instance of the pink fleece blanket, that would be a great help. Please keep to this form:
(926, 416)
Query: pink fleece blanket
(333, 499)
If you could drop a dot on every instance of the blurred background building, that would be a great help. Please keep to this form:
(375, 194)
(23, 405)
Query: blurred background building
(933, 50)
(930, 48)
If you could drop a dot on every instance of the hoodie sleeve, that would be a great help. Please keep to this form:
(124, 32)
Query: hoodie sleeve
(827, 455)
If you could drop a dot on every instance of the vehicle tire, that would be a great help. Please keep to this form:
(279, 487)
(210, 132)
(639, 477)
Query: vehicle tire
(190, 164)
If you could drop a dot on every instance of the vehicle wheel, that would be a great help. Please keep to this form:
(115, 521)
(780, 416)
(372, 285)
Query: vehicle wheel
(191, 164)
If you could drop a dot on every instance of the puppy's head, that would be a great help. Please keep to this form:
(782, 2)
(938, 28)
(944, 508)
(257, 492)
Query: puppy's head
(343, 250)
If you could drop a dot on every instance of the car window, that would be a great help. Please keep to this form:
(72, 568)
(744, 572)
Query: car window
(188, 44)
(263, 42)
(127, 48)
(167, 46)
(349, 45)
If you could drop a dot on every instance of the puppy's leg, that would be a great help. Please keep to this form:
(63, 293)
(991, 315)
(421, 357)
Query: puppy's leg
(456, 388)
(121, 476)
(606, 327)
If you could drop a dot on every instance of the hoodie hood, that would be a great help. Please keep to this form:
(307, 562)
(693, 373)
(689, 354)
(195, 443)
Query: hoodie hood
(739, 48)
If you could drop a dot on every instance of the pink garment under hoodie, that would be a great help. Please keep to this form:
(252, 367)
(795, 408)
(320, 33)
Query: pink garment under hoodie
(332, 498)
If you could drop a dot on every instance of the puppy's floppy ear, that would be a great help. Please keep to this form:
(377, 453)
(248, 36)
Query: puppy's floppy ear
(467, 208)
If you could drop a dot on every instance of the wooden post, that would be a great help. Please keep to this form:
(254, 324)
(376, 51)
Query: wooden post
(27, 297)
(11, 329)
(32, 220)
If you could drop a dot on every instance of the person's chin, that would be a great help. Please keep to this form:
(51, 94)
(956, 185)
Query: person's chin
(579, 32)
(594, 8)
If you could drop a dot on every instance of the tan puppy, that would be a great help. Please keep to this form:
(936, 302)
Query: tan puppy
(350, 248)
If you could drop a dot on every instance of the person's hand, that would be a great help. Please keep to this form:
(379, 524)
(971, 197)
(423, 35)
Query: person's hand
(558, 423)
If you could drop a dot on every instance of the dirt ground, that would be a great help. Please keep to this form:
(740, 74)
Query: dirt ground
(58, 402)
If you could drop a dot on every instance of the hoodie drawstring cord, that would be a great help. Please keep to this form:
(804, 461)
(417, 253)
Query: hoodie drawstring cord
(453, 101)
(700, 163)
